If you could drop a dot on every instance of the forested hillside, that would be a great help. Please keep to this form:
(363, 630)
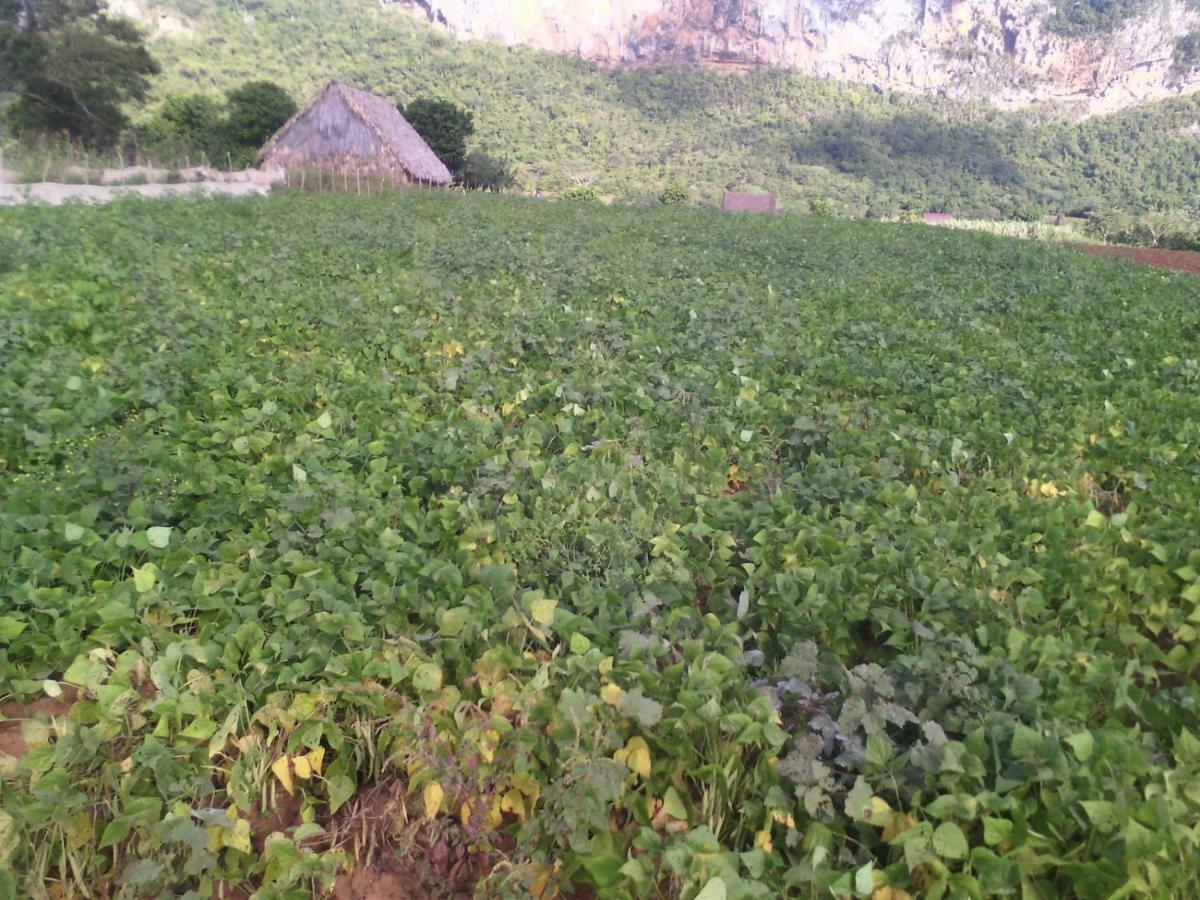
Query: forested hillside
(630, 132)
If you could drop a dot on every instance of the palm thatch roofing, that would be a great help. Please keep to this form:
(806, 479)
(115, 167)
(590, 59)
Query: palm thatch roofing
(346, 129)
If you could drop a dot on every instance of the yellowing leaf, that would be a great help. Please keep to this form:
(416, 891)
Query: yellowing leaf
(452, 348)
(890, 892)
(464, 814)
(514, 803)
(880, 813)
(487, 745)
(538, 888)
(784, 818)
(283, 771)
(899, 824)
(763, 839)
(303, 768)
(433, 799)
(611, 694)
(543, 611)
(316, 759)
(238, 837)
(637, 756)
(524, 783)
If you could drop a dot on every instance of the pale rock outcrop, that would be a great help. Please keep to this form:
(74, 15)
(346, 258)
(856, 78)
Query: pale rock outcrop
(998, 49)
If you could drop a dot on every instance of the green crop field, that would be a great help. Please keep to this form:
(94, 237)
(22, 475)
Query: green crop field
(524, 547)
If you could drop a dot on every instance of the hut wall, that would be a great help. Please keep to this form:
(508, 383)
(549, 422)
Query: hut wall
(739, 202)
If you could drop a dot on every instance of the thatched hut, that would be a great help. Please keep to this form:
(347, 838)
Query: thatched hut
(353, 133)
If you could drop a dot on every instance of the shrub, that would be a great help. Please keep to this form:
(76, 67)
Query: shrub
(822, 208)
(581, 193)
(484, 172)
(674, 194)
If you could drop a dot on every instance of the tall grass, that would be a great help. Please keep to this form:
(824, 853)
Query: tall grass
(1034, 231)
(54, 158)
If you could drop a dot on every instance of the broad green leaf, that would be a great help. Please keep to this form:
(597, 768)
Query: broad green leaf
(11, 627)
(427, 677)
(114, 832)
(1082, 745)
(159, 536)
(144, 577)
(1026, 742)
(453, 620)
(1102, 813)
(73, 532)
(949, 842)
(864, 880)
(673, 804)
(996, 831)
(199, 730)
(605, 869)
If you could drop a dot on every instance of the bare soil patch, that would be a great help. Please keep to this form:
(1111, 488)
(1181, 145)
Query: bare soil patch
(12, 743)
(1172, 260)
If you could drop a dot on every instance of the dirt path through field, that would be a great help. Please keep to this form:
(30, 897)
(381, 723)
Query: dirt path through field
(1173, 260)
(56, 194)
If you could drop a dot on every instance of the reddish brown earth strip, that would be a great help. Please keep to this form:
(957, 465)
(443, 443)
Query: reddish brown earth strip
(1174, 260)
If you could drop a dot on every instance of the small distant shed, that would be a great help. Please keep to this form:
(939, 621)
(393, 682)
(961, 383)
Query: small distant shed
(348, 131)
(739, 202)
(932, 218)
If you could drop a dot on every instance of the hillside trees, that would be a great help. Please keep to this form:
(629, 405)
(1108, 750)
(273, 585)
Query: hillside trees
(200, 126)
(72, 68)
(445, 128)
(255, 111)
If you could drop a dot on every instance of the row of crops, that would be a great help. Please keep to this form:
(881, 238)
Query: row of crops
(526, 547)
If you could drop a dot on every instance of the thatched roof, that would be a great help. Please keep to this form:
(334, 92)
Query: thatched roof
(346, 128)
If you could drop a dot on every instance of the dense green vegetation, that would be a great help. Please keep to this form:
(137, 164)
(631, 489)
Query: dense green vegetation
(70, 68)
(666, 552)
(1094, 17)
(198, 127)
(1167, 230)
(1187, 51)
(561, 121)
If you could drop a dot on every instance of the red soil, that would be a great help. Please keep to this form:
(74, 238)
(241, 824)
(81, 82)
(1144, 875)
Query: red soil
(1174, 260)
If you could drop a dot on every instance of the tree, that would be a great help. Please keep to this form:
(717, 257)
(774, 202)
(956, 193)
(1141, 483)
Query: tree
(1186, 55)
(445, 128)
(483, 172)
(71, 67)
(185, 123)
(255, 111)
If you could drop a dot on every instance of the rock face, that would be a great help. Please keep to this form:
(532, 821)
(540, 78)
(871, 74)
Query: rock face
(999, 49)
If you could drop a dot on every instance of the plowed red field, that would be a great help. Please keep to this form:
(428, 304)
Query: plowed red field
(1175, 260)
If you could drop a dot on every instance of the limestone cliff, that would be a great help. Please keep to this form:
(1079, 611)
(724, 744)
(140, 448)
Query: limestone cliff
(999, 49)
